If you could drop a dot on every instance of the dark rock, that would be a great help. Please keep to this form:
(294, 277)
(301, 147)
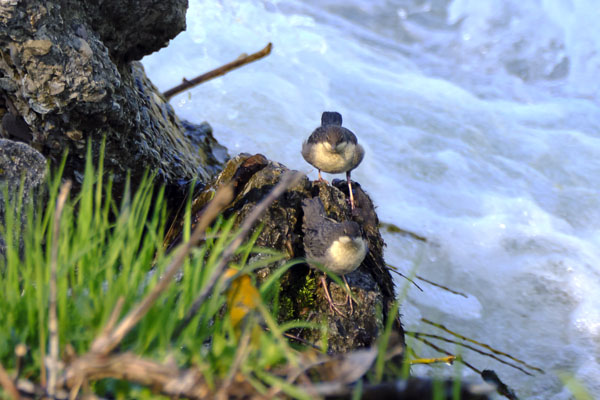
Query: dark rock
(66, 80)
(19, 161)
(131, 29)
(20, 164)
(301, 296)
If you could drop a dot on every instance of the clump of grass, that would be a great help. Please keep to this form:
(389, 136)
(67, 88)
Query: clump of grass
(112, 255)
(125, 329)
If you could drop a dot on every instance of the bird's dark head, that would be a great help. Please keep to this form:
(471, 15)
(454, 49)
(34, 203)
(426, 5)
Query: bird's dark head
(335, 136)
(351, 229)
(331, 118)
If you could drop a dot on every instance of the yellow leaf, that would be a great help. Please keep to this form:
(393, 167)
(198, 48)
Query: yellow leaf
(242, 297)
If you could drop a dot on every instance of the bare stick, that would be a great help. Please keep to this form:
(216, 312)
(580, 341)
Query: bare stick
(8, 384)
(446, 352)
(104, 344)
(173, 382)
(240, 354)
(52, 363)
(490, 348)
(466, 346)
(186, 84)
(395, 270)
(286, 181)
(395, 229)
(114, 315)
(435, 360)
(442, 287)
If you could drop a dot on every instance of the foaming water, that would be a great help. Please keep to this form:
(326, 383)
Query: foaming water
(481, 127)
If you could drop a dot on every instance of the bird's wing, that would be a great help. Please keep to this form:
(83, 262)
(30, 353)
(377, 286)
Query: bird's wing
(318, 135)
(349, 136)
(314, 212)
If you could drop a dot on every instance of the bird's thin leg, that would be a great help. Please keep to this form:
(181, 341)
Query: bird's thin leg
(348, 296)
(350, 190)
(331, 303)
(321, 178)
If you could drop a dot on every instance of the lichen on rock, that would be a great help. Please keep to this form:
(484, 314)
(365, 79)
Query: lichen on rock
(68, 71)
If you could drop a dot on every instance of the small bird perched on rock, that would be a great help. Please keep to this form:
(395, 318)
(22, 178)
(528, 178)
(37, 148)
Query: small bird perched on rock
(338, 246)
(333, 149)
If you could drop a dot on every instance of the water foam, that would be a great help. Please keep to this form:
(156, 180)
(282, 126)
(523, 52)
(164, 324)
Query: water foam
(478, 135)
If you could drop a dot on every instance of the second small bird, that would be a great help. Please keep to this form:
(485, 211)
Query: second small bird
(333, 149)
(337, 246)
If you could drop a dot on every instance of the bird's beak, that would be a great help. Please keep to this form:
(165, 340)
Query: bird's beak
(340, 146)
(345, 239)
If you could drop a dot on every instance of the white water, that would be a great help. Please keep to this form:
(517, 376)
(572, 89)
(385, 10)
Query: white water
(481, 125)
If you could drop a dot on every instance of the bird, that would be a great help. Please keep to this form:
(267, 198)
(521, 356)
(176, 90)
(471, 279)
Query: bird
(333, 149)
(338, 247)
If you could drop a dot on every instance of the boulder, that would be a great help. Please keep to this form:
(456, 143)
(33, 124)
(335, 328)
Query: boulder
(22, 176)
(301, 296)
(67, 77)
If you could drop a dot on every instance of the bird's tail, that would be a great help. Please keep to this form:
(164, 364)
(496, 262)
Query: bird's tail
(331, 118)
(314, 212)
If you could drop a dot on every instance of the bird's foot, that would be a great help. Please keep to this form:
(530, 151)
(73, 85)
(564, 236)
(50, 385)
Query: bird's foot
(348, 299)
(321, 179)
(332, 304)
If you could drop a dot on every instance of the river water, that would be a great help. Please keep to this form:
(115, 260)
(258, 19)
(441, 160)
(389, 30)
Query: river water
(481, 125)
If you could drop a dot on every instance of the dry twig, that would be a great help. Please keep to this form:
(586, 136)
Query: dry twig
(170, 381)
(53, 363)
(446, 352)
(242, 60)
(466, 346)
(435, 360)
(8, 384)
(286, 181)
(490, 348)
(442, 287)
(395, 270)
(104, 344)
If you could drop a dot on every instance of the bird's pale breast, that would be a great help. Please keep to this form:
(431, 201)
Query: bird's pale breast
(331, 160)
(345, 254)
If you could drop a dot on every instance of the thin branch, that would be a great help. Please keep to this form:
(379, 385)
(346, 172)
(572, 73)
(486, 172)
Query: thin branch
(435, 360)
(114, 315)
(446, 352)
(242, 60)
(53, 363)
(286, 181)
(442, 327)
(466, 346)
(442, 287)
(104, 344)
(165, 378)
(395, 270)
(8, 384)
(395, 229)
(241, 354)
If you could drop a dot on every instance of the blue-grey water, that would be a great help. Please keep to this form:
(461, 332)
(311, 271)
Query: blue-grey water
(481, 125)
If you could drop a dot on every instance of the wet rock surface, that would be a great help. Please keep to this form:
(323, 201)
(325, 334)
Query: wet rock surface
(20, 163)
(301, 294)
(67, 77)
(22, 176)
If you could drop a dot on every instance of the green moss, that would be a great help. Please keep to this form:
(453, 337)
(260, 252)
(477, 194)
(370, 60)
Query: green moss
(306, 294)
(297, 293)
(286, 308)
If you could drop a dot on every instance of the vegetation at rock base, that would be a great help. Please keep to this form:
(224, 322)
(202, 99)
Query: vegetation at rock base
(109, 257)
